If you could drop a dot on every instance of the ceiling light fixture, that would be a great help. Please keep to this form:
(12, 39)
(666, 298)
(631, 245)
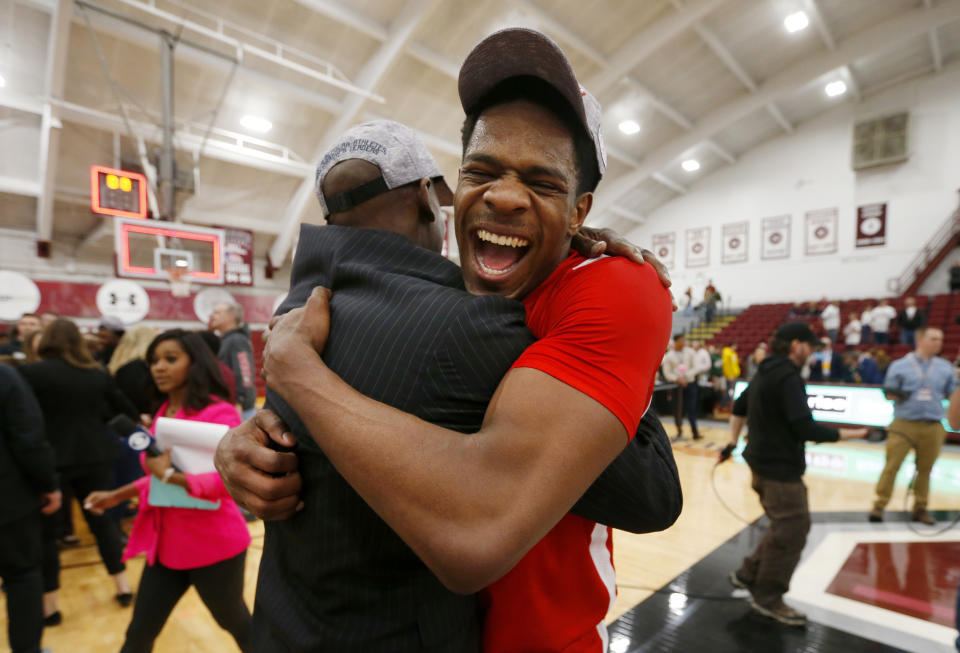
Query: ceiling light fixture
(690, 165)
(629, 127)
(833, 89)
(796, 22)
(256, 124)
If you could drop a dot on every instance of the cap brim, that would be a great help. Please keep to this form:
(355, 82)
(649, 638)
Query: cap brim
(517, 52)
(444, 194)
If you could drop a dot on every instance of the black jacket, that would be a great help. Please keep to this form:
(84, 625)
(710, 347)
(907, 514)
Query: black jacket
(403, 331)
(908, 323)
(76, 404)
(839, 372)
(136, 384)
(26, 458)
(236, 352)
(779, 421)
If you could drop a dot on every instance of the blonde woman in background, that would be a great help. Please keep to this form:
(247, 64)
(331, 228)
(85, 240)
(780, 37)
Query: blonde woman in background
(129, 367)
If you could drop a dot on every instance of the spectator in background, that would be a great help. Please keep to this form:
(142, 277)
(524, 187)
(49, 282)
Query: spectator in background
(711, 297)
(236, 351)
(852, 331)
(184, 547)
(909, 319)
(868, 369)
(883, 361)
(829, 365)
(917, 383)
(955, 276)
(797, 310)
(109, 331)
(880, 319)
(703, 360)
(850, 362)
(129, 367)
(213, 342)
(866, 333)
(47, 318)
(812, 309)
(75, 393)
(27, 324)
(753, 363)
(28, 485)
(680, 367)
(688, 308)
(730, 365)
(830, 317)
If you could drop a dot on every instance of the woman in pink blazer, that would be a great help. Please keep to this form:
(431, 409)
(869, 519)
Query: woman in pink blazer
(185, 546)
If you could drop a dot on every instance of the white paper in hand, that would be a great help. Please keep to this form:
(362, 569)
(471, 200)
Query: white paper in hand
(193, 444)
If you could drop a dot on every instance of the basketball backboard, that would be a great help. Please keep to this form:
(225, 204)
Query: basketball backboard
(147, 249)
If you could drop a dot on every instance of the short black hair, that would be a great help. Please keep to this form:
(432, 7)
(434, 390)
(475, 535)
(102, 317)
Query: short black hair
(534, 89)
(780, 346)
(204, 378)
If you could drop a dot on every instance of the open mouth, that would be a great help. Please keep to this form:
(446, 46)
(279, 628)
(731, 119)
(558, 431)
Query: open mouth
(497, 254)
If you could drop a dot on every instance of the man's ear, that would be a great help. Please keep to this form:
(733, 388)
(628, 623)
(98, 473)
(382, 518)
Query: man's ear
(428, 201)
(580, 210)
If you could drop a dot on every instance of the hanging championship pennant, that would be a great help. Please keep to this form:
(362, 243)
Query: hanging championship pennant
(735, 242)
(698, 247)
(664, 246)
(872, 225)
(821, 232)
(775, 237)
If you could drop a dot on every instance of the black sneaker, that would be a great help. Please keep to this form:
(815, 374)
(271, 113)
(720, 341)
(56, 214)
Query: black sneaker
(783, 614)
(738, 582)
(54, 619)
(875, 516)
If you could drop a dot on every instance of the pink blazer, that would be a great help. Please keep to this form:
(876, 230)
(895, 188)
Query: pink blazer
(184, 538)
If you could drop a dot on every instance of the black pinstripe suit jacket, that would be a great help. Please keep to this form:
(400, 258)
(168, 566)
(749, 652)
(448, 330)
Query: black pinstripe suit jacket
(335, 577)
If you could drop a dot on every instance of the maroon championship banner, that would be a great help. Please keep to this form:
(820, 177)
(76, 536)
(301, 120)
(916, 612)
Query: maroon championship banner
(735, 242)
(238, 257)
(775, 237)
(821, 231)
(698, 247)
(872, 225)
(665, 247)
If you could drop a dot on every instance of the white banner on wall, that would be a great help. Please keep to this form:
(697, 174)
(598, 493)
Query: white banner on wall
(735, 242)
(18, 295)
(664, 247)
(698, 247)
(775, 237)
(821, 231)
(124, 299)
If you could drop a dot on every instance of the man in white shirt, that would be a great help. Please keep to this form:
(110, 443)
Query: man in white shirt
(880, 319)
(702, 362)
(680, 367)
(831, 319)
(853, 331)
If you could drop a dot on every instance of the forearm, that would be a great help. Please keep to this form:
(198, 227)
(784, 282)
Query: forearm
(807, 429)
(125, 492)
(452, 497)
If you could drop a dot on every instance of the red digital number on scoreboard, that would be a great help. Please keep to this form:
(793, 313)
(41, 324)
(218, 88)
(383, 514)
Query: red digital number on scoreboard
(118, 192)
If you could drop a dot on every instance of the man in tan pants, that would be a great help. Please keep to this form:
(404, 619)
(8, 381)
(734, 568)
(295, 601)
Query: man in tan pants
(918, 383)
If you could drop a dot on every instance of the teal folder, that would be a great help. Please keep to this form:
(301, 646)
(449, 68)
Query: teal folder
(168, 495)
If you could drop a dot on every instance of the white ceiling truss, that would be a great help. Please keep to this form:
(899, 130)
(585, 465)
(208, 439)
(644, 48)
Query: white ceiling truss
(239, 37)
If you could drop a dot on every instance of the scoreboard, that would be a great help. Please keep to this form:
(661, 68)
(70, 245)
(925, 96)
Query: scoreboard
(118, 192)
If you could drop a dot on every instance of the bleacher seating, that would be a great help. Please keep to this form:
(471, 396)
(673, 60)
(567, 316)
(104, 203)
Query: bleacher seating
(759, 321)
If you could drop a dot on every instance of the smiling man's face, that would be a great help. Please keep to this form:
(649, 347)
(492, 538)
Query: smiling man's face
(516, 205)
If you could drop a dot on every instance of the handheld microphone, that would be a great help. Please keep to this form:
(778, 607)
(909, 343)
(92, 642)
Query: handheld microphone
(136, 437)
(725, 453)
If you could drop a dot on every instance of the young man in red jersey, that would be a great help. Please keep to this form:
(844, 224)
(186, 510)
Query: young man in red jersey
(490, 510)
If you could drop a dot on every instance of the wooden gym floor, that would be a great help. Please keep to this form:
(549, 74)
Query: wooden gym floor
(94, 623)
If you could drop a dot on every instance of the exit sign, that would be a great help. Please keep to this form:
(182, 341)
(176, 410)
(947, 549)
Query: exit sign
(118, 192)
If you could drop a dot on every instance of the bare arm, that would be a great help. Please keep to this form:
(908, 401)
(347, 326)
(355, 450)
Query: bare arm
(469, 506)
(736, 427)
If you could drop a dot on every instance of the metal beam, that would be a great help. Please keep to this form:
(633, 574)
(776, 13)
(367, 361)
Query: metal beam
(17, 186)
(781, 119)
(820, 23)
(57, 46)
(621, 212)
(664, 180)
(935, 52)
(852, 83)
(720, 151)
(650, 40)
(401, 31)
(877, 38)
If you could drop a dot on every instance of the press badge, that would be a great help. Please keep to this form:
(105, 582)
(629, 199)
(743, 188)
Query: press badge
(924, 394)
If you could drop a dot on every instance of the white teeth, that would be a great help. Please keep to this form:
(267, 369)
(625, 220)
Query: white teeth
(506, 241)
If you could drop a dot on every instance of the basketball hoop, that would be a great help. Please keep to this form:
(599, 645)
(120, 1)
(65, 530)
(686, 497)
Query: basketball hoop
(179, 277)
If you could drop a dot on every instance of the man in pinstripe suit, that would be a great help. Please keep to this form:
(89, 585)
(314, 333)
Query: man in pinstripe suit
(449, 554)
